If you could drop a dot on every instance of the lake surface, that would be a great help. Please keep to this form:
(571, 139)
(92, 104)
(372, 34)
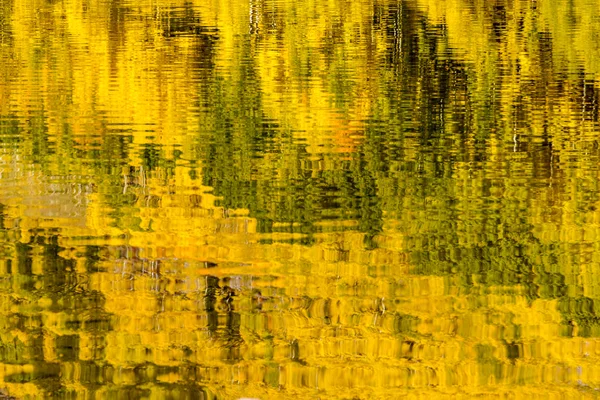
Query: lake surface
(285, 199)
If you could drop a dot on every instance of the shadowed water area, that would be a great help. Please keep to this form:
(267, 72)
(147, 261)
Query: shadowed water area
(285, 199)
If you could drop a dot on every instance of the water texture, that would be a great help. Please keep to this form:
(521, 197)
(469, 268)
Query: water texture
(286, 199)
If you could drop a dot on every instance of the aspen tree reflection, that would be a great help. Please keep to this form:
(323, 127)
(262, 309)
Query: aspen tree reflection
(283, 199)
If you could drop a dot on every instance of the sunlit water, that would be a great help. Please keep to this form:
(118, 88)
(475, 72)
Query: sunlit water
(223, 199)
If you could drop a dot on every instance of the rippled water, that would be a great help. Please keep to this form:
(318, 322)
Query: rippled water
(284, 199)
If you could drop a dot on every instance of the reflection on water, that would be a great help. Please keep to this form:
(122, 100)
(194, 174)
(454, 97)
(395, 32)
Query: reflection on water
(297, 199)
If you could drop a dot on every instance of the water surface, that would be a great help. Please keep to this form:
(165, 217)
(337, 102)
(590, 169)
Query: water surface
(284, 199)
